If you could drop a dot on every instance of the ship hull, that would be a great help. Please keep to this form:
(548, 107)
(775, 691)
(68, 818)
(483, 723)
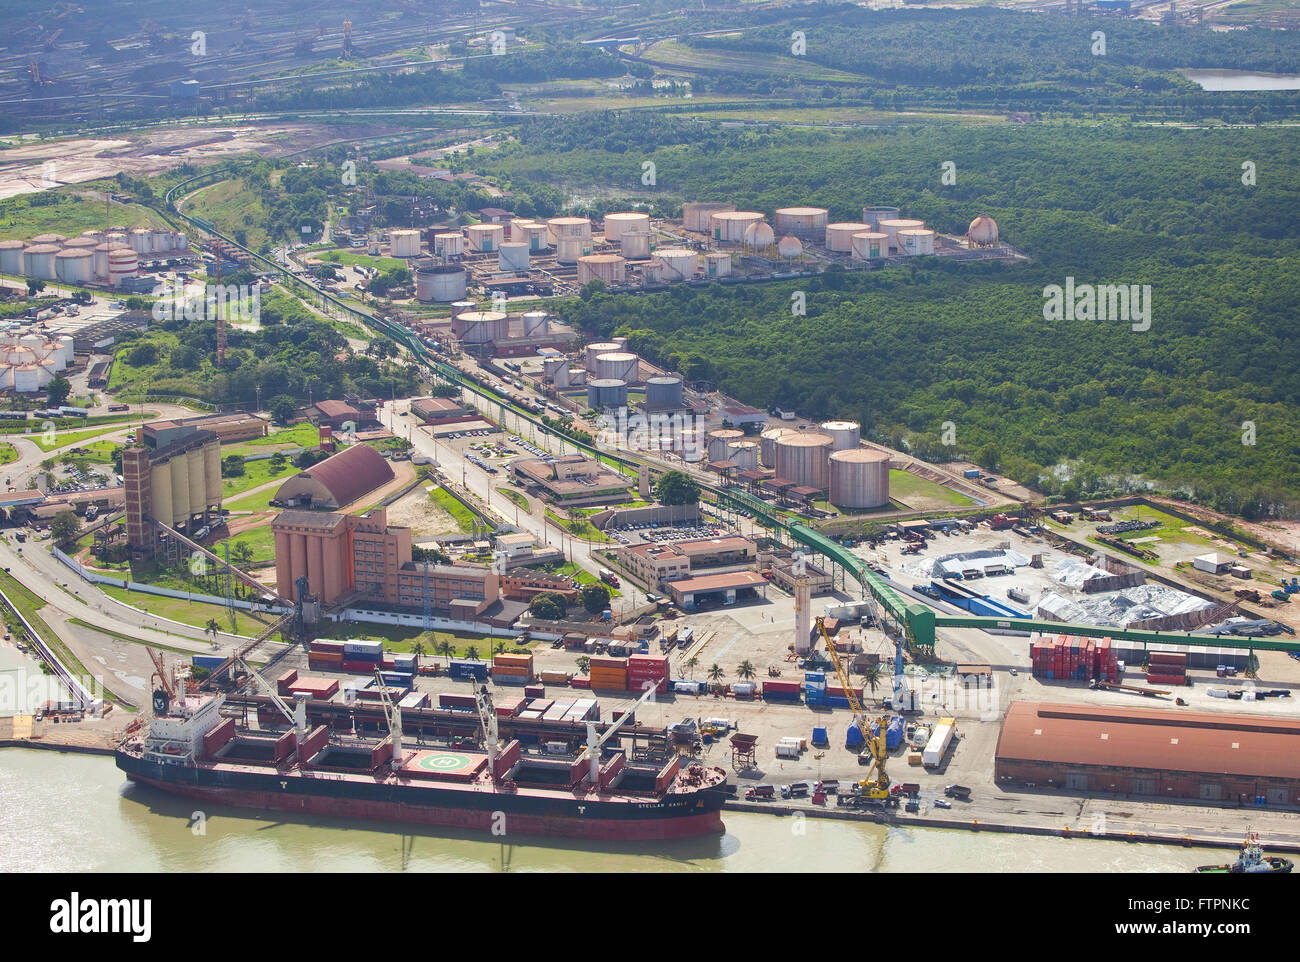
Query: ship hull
(499, 814)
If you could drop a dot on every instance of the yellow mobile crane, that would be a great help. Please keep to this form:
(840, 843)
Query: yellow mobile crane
(875, 787)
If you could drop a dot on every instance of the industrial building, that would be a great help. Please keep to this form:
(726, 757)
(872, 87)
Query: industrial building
(657, 564)
(726, 588)
(571, 480)
(1201, 756)
(238, 426)
(337, 481)
(178, 484)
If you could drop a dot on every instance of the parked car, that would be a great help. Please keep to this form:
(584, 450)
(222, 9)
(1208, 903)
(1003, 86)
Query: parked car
(942, 803)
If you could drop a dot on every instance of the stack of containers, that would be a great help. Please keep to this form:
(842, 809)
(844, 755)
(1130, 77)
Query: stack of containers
(814, 687)
(608, 674)
(557, 711)
(457, 702)
(510, 669)
(584, 709)
(1107, 662)
(362, 657)
(468, 669)
(1167, 668)
(648, 671)
(781, 690)
(837, 697)
(325, 654)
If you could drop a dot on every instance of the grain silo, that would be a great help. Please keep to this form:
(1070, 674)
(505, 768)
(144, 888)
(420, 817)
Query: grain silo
(404, 243)
(983, 232)
(616, 225)
(744, 454)
(141, 240)
(485, 237)
(859, 478)
(449, 245)
(568, 250)
(892, 227)
(717, 264)
(618, 365)
(537, 324)
(789, 247)
(843, 434)
(513, 256)
(122, 265)
(595, 350)
(439, 282)
(767, 444)
(579, 227)
(38, 261)
(917, 240)
(635, 244)
(839, 237)
(721, 441)
(73, 266)
(556, 370)
(807, 222)
(728, 226)
(801, 457)
(868, 245)
(676, 263)
(603, 393)
(39, 239)
(872, 216)
(759, 237)
(664, 393)
(534, 235)
(610, 268)
(696, 214)
(477, 327)
(11, 256)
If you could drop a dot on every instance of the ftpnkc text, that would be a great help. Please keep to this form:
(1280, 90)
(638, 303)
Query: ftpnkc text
(1183, 905)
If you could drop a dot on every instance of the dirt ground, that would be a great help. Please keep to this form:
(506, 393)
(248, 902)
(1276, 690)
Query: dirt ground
(422, 516)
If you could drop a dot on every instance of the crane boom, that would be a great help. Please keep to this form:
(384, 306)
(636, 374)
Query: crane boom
(594, 744)
(876, 784)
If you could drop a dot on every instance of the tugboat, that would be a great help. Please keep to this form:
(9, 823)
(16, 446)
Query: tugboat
(1251, 860)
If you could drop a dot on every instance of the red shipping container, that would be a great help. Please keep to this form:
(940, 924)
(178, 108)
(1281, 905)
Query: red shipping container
(366, 668)
(579, 682)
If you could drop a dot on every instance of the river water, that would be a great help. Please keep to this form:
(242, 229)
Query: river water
(1242, 80)
(77, 813)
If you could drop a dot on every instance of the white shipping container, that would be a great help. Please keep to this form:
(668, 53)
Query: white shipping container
(938, 744)
(787, 751)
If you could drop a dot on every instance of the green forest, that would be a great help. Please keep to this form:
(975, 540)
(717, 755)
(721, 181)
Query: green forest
(1082, 407)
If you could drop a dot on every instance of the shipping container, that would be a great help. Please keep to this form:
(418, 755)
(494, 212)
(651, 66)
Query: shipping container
(937, 747)
(555, 677)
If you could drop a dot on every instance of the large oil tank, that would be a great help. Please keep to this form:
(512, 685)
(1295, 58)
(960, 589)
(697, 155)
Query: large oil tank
(116, 239)
(801, 458)
(579, 227)
(74, 266)
(461, 307)
(696, 214)
(801, 221)
(892, 227)
(100, 266)
(537, 324)
(534, 235)
(843, 434)
(616, 225)
(404, 243)
(141, 239)
(917, 240)
(595, 350)
(872, 216)
(38, 261)
(449, 245)
(728, 226)
(767, 444)
(513, 256)
(635, 244)
(181, 240)
(677, 263)
(80, 243)
(122, 265)
(744, 454)
(605, 393)
(556, 370)
(11, 256)
(477, 327)
(869, 245)
(27, 377)
(664, 393)
(859, 478)
(569, 250)
(164, 240)
(618, 365)
(720, 441)
(212, 472)
(610, 268)
(96, 235)
(439, 282)
(839, 237)
(718, 263)
(161, 486)
(485, 237)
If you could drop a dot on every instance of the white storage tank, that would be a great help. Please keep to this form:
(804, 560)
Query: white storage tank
(11, 256)
(983, 232)
(116, 239)
(556, 370)
(677, 263)
(404, 243)
(696, 214)
(485, 237)
(635, 244)
(717, 264)
(449, 245)
(744, 454)
(460, 307)
(868, 245)
(74, 266)
(122, 265)
(917, 240)
(182, 241)
(27, 377)
(801, 221)
(595, 350)
(439, 283)
(605, 393)
(839, 237)
(537, 324)
(759, 237)
(618, 365)
(163, 240)
(56, 239)
(801, 457)
(96, 235)
(478, 327)
(892, 227)
(616, 225)
(38, 261)
(141, 239)
(872, 216)
(568, 250)
(80, 244)
(66, 349)
(6, 377)
(843, 434)
(728, 226)
(579, 227)
(859, 478)
(534, 235)
(720, 442)
(513, 256)
(610, 268)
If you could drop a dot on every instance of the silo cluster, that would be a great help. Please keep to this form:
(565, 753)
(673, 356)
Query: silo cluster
(595, 350)
(892, 228)
(872, 216)
(721, 441)
(839, 237)
(28, 362)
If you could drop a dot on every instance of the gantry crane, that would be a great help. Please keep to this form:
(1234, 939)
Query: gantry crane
(876, 785)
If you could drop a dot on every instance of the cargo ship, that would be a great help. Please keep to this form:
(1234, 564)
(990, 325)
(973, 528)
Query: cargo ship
(189, 748)
(1251, 860)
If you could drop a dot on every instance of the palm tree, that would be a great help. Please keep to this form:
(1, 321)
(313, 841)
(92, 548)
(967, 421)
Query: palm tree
(445, 648)
(691, 664)
(746, 670)
(417, 649)
(212, 628)
(872, 675)
(584, 665)
(471, 653)
(241, 554)
(715, 674)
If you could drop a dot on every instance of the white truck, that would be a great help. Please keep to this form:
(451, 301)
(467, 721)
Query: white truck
(937, 747)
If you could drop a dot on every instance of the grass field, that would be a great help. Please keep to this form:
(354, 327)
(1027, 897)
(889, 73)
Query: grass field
(303, 435)
(70, 437)
(352, 259)
(255, 473)
(188, 612)
(579, 527)
(1170, 530)
(462, 515)
(679, 55)
(904, 485)
(8, 453)
(74, 212)
(261, 540)
(231, 207)
(398, 638)
(101, 451)
(514, 496)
